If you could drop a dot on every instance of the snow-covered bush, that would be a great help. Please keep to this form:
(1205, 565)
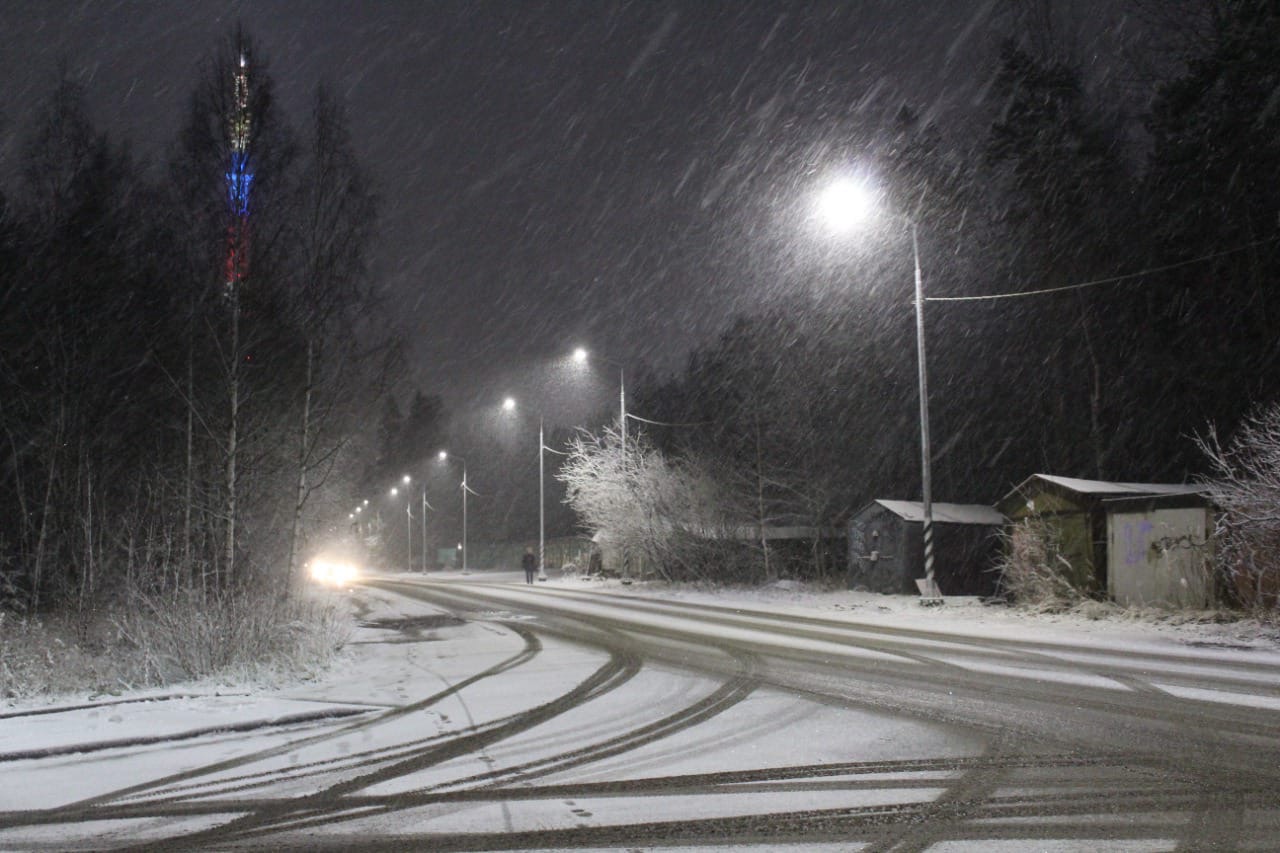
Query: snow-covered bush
(156, 639)
(45, 657)
(1245, 486)
(1033, 570)
(243, 633)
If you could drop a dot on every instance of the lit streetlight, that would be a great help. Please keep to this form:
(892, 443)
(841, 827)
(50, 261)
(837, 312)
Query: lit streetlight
(444, 457)
(509, 405)
(425, 506)
(408, 524)
(580, 356)
(408, 518)
(844, 205)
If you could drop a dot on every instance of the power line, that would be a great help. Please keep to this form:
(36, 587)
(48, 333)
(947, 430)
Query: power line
(1101, 281)
(664, 423)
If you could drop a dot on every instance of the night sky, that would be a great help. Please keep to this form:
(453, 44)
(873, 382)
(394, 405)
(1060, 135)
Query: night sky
(620, 175)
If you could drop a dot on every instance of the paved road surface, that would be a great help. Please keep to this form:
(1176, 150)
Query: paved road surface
(641, 724)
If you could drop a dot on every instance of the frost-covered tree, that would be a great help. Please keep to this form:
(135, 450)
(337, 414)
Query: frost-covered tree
(655, 513)
(1245, 485)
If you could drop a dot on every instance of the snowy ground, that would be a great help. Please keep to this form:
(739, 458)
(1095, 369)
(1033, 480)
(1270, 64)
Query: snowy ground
(479, 732)
(963, 614)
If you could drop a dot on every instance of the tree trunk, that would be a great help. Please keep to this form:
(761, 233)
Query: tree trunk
(229, 556)
(38, 564)
(304, 438)
(187, 563)
(86, 577)
(760, 518)
(1095, 402)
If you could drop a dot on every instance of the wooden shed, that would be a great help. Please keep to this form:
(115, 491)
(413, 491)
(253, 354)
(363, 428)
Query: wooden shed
(1077, 512)
(886, 548)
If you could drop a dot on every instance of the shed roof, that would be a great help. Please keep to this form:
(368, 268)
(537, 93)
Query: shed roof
(1150, 502)
(945, 513)
(1101, 488)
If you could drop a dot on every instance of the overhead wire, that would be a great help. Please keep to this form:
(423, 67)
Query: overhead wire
(664, 423)
(1101, 281)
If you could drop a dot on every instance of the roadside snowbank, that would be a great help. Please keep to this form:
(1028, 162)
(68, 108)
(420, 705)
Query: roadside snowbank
(1095, 621)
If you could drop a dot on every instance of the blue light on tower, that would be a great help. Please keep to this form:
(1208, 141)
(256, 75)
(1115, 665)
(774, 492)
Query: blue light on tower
(239, 181)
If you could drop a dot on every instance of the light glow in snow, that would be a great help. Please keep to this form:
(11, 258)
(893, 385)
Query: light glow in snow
(846, 203)
(333, 573)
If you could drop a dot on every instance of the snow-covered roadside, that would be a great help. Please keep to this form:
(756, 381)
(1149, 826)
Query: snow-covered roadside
(91, 721)
(367, 679)
(1090, 625)
(415, 678)
(151, 734)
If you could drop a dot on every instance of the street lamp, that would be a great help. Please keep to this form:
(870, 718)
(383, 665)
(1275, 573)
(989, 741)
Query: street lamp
(408, 524)
(580, 356)
(444, 456)
(845, 204)
(408, 519)
(509, 405)
(425, 506)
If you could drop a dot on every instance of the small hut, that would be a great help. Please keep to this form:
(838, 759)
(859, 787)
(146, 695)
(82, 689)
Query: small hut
(886, 548)
(1077, 512)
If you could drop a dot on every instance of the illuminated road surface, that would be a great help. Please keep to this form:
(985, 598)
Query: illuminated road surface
(479, 715)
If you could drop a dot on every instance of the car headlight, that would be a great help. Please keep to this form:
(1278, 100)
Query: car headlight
(326, 572)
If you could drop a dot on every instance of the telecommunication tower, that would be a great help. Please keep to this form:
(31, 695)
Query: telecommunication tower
(239, 180)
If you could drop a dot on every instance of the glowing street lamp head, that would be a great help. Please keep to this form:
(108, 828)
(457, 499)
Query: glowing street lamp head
(580, 355)
(359, 509)
(442, 455)
(365, 503)
(405, 479)
(509, 404)
(394, 491)
(846, 204)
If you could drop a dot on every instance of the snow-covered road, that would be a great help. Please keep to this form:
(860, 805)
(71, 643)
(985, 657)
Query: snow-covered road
(478, 713)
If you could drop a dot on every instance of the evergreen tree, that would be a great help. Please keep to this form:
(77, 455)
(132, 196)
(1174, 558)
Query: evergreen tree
(1213, 196)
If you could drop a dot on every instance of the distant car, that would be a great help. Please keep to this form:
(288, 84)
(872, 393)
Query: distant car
(334, 572)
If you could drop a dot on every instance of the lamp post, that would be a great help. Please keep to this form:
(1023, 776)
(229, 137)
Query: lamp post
(845, 204)
(408, 524)
(509, 405)
(580, 356)
(408, 520)
(425, 506)
(444, 456)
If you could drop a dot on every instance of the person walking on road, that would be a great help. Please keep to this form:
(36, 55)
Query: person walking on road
(530, 564)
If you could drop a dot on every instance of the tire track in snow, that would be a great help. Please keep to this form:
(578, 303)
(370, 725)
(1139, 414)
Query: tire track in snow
(927, 691)
(327, 805)
(532, 647)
